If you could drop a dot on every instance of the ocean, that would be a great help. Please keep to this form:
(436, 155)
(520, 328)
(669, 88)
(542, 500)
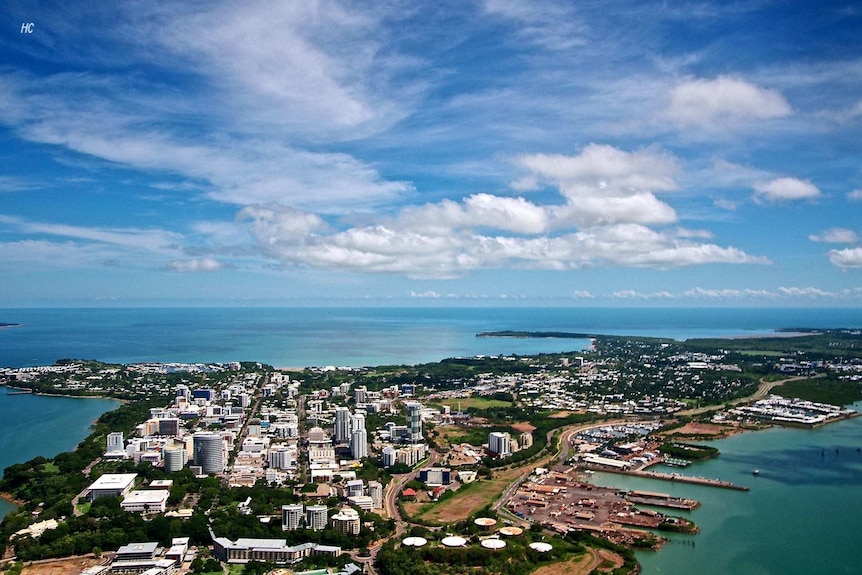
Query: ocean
(801, 515)
(300, 337)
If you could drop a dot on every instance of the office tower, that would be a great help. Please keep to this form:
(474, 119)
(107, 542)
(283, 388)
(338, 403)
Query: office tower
(358, 437)
(291, 517)
(315, 517)
(175, 458)
(208, 452)
(414, 422)
(115, 442)
(342, 425)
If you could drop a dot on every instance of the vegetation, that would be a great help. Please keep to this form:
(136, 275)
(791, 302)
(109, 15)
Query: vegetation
(688, 451)
(823, 390)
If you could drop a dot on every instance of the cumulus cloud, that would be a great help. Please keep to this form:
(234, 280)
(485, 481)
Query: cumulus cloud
(786, 189)
(195, 265)
(606, 170)
(835, 236)
(582, 294)
(850, 258)
(607, 208)
(722, 101)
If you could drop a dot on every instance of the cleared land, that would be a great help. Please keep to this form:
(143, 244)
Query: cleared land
(65, 566)
(580, 565)
(472, 497)
(474, 403)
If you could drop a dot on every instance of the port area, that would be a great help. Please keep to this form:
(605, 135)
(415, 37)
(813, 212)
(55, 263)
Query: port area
(661, 500)
(559, 500)
(676, 477)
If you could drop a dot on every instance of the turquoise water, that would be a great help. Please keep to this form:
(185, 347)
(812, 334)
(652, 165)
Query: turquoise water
(803, 514)
(40, 425)
(297, 337)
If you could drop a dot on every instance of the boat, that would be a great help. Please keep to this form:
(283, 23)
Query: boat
(756, 472)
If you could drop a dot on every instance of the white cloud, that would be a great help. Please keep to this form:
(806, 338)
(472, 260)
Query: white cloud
(582, 294)
(606, 171)
(693, 234)
(722, 101)
(430, 294)
(632, 294)
(151, 240)
(552, 25)
(855, 195)
(805, 292)
(195, 265)
(835, 236)
(850, 258)
(786, 189)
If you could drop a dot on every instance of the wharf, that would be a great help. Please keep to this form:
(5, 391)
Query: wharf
(688, 479)
(661, 500)
(707, 481)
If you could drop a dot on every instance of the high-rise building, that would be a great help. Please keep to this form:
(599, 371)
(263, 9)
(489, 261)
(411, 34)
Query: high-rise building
(346, 521)
(175, 458)
(169, 426)
(115, 442)
(342, 425)
(315, 517)
(375, 492)
(499, 444)
(282, 457)
(390, 456)
(208, 452)
(414, 422)
(358, 437)
(291, 517)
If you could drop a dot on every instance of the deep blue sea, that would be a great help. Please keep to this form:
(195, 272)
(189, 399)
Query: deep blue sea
(802, 515)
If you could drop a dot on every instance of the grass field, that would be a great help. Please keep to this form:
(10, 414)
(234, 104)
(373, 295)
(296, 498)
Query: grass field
(471, 498)
(475, 403)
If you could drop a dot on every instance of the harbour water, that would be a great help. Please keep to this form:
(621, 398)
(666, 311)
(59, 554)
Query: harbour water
(42, 425)
(801, 515)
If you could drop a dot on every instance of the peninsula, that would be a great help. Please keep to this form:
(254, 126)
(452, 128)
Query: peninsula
(535, 334)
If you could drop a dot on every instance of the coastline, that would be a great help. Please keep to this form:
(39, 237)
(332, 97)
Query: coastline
(9, 498)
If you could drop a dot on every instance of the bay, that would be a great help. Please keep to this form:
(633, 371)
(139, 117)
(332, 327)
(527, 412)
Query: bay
(801, 515)
(44, 425)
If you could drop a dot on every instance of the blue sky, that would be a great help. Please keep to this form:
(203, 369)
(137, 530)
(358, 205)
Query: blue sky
(430, 153)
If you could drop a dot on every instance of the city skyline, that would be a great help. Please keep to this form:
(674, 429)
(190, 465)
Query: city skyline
(431, 154)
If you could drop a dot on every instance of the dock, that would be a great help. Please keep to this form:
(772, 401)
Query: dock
(661, 500)
(706, 481)
(709, 482)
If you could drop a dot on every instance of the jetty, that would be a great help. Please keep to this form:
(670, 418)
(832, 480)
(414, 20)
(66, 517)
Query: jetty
(660, 500)
(708, 481)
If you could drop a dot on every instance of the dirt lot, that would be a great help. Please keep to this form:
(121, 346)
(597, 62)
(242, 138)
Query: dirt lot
(701, 429)
(580, 565)
(68, 566)
(524, 427)
(475, 497)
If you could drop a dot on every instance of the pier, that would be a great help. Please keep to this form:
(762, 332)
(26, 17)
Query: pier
(707, 481)
(687, 479)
